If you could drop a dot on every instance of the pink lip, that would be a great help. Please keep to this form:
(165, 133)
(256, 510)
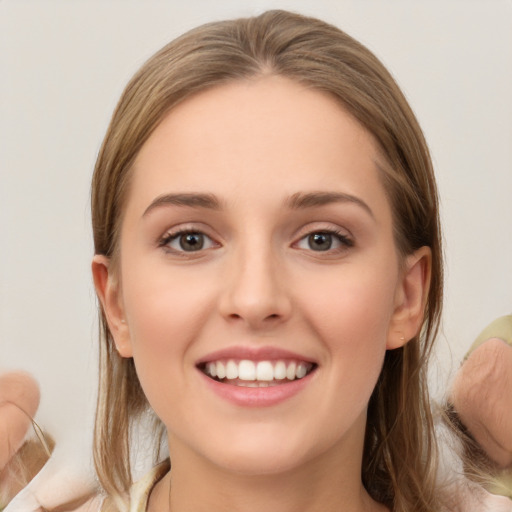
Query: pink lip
(253, 353)
(256, 397)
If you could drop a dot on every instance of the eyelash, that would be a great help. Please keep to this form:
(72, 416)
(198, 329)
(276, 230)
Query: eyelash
(175, 236)
(342, 239)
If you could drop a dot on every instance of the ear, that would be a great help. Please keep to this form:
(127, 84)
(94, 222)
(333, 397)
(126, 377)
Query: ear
(109, 293)
(410, 298)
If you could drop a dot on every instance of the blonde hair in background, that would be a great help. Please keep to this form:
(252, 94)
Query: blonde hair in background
(400, 453)
(25, 464)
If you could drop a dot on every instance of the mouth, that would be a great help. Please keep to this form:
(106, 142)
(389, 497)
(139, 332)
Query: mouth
(256, 374)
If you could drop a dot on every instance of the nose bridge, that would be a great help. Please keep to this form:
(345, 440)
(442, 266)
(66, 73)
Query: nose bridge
(255, 290)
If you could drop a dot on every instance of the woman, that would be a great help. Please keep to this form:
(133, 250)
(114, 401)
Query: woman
(268, 262)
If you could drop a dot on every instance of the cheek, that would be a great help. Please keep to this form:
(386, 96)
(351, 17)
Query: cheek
(163, 311)
(356, 334)
(351, 316)
(353, 308)
(165, 314)
(162, 325)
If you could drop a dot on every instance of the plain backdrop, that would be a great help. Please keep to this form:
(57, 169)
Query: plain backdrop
(63, 66)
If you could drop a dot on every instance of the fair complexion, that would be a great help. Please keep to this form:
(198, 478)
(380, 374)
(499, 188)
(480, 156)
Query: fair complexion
(19, 400)
(481, 396)
(257, 229)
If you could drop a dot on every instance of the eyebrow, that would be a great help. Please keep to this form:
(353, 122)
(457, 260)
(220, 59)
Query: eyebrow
(192, 200)
(297, 201)
(314, 199)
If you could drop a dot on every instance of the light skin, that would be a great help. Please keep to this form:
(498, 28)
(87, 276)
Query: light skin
(19, 400)
(481, 396)
(282, 188)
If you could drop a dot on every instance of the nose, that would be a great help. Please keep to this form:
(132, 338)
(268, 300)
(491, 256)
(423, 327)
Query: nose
(255, 291)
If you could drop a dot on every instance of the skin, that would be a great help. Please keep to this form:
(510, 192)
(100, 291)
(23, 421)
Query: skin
(258, 282)
(482, 393)
(19, 400)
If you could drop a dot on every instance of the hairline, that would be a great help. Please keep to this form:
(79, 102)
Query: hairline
(382, 163)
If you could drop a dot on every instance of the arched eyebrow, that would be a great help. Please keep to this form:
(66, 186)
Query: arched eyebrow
(208, 201)
(314, 199)
(297, 201)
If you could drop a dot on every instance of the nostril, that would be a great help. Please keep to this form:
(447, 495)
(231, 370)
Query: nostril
(256, 307)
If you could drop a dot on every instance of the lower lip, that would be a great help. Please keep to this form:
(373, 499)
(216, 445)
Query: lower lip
(257, 397)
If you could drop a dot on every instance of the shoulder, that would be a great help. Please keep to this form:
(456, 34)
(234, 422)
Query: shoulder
(493, 503)
(470, 499)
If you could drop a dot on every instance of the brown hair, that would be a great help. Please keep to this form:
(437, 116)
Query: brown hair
(400, 449)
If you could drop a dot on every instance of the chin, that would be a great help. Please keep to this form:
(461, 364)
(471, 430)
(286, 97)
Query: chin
(259, 463)
(266, 452)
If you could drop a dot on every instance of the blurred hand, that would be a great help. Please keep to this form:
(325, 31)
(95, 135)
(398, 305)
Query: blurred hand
(19, 400)
(482, 396)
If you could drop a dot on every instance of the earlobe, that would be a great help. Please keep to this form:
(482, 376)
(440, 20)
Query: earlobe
(411, 297)
(109, 293)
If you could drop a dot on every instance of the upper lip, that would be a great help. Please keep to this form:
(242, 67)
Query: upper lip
(267, 353)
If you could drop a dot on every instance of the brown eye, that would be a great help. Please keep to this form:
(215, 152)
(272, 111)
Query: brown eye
(320, 241)
(191, 241)
(187, 241)
(323, 241)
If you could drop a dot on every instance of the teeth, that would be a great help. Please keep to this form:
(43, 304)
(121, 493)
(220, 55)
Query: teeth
(221, 370)
(246, 370)
(290, 371)
(257, 374)
(264, 371)
(280, 370)
(301, 371)
(212, 369)
(231, 370)
(256, 384)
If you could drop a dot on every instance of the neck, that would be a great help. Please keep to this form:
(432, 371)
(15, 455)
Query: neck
(286, 493)
(195, 485)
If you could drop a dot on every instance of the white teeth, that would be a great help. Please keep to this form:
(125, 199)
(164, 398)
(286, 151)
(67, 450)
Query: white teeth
(246, 370)
(231, 370)
(280, 370)
(290, 371)
(221, 370)
(264, 371)
(258, 373)
(212, 369)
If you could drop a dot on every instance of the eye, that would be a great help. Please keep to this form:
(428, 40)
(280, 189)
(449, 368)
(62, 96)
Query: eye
(322, 241)
(187, 241)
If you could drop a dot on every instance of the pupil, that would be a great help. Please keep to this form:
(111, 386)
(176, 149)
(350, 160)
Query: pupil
(320, 241)
(192, 241)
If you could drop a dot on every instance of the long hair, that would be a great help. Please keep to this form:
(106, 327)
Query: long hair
(400, 450)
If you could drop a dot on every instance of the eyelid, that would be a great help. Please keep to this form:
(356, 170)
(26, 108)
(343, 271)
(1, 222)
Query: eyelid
(323, 227)
(175, 232)
(343, 236)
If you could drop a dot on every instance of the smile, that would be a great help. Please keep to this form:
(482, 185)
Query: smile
(257, 374)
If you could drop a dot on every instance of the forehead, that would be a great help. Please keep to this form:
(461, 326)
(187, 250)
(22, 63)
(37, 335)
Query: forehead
(270, 135)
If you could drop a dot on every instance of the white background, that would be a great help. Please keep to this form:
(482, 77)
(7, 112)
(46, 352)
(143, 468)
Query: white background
(63, 66)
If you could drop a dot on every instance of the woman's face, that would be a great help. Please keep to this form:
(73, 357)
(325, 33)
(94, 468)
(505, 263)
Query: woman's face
(257, 243)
